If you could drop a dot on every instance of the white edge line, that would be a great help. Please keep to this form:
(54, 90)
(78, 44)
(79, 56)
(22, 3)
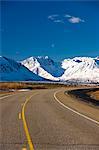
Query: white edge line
(7, 96)
(86, 117)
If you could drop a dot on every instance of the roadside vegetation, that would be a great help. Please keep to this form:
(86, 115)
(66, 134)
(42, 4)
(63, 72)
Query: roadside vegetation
(35, 85)
(89, 95)
(94, 95)
(22, 85)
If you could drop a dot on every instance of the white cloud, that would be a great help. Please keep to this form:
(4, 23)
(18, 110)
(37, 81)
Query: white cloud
(75, 20)
(52, 17)
(61, 18)
(55, 18)
(67, 16)
(58, 21)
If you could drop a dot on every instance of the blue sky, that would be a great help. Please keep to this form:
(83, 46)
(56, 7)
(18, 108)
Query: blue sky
(57, 29)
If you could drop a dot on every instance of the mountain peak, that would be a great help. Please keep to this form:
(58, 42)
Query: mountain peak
(78, 69)
(11, 70)
(43, 57)
(44, 66)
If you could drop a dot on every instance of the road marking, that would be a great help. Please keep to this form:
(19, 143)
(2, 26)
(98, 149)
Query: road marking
(31, 147)
(24, 149)
(6, 96)
(80, 114)
(19, 116)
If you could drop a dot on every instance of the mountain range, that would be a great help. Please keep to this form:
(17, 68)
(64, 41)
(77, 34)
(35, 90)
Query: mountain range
(11, 70)
(42, 68)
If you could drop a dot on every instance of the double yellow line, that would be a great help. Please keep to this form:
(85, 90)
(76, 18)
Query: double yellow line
(31, 147)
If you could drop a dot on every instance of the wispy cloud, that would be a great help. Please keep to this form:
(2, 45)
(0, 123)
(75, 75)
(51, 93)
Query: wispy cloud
(53, 17)
(56, 18)
(75, 20)
(67, 16)
(58, 21)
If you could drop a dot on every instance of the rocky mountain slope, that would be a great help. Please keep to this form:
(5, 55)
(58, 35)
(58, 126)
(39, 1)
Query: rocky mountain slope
(44, 67)
(78, 69)
(11, 70)
(82, 69)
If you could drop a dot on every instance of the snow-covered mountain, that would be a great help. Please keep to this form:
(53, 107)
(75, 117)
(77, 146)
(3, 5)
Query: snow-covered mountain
(81, 69)
(78, 69)
(11, 70)
(44, 67)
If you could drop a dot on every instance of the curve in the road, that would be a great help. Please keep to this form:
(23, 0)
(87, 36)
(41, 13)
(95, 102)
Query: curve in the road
(50, 126)
(30, 143)
(82, 115)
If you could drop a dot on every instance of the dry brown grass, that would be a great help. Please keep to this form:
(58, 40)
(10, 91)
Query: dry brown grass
(8, 86)
(94, 95)
(5, 86)
(16, 86)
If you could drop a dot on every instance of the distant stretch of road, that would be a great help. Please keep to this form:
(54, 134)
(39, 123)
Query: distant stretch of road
(34, 120)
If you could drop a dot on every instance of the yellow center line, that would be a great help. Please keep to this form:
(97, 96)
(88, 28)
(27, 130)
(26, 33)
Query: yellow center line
(31, 147)
(19, 116)
(24, 149)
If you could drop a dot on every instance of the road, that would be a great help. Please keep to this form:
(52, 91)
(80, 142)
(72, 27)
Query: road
(41, 121)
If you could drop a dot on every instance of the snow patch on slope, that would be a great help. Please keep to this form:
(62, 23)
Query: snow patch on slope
(44, 67)
(78, 69)
(81, 68)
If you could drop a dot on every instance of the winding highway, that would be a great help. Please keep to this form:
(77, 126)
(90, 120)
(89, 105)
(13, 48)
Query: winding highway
(34, 120)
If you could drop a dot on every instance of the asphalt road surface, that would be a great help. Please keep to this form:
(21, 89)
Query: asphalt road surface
(41, 123)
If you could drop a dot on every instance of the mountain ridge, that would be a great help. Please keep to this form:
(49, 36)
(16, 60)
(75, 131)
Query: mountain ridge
(77, 69)
(44, 66)
(11, 70)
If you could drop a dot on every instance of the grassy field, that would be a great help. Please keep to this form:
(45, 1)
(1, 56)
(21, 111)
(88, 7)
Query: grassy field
(13, 86)
(20, 85)
(31, 85)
